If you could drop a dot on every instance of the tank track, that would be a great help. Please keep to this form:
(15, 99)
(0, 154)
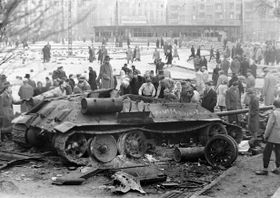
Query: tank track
(60, 143)
(19, 135)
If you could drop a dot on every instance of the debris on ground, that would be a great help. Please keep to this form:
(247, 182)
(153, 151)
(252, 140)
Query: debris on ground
(9, 159)
(125, 182)
(8, 187)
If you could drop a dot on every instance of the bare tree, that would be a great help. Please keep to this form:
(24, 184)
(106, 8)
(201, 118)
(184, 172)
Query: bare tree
(22, 20)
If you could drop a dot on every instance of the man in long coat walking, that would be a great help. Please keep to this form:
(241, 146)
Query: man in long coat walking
(92, 79)
(269, 87)
(106, 74)
(253, 118)
(25, 93)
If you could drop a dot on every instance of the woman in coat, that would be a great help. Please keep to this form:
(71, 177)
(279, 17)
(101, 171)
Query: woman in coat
(272, 137)
(221, 98)
(6, 105)
(269, 87)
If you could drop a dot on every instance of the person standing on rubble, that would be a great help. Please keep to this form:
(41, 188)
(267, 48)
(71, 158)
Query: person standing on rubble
(233, 101)
(106, 74)
(90, 52)
(6, 105)
(25, 93)
(253, 117)
(192, 53)
(92, 78)
(269, 86)
(211, 53)
(272, 138)
(209, 98)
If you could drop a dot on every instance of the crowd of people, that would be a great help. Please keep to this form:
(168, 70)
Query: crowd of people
(231, 87)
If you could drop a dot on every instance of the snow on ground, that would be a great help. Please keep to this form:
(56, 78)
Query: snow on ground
(30, 61)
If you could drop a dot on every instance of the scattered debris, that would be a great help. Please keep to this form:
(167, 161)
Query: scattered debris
(9, 159)
(173, 194)
(67, 181)
(243, 147)
(125, 182)
(8, 187)
(188, 154)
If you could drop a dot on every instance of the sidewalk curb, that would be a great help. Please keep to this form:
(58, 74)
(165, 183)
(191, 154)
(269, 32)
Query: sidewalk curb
(218, 179)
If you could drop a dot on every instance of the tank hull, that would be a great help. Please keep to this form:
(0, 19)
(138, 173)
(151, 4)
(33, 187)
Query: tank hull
(72, 127)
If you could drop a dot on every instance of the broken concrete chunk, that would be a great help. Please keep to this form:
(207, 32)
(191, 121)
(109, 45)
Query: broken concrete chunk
(125, 182)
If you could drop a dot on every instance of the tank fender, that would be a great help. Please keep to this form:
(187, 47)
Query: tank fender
(23, 119)
(64, 127)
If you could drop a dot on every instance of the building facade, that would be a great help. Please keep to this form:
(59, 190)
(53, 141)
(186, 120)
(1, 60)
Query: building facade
(114, 19)
(260, 24)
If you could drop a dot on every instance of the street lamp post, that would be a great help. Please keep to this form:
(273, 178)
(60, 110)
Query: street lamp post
(242, 21)
(70, 52)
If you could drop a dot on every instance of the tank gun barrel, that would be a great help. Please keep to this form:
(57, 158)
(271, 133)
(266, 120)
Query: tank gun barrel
(241, 111)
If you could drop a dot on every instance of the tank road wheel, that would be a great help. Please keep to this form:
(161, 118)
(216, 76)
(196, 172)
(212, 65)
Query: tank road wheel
(132, 144)
(72, 147)
(210, 131)
(236, 133)
(103, 148)
(221, 150)
(19, 135)
(33, 137)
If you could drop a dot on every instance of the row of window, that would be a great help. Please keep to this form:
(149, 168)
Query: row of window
(138, 32)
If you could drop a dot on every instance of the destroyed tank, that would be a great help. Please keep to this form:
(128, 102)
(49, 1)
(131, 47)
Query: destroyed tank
(96, 126)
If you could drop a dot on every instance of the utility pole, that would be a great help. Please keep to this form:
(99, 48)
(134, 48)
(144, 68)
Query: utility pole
(242, 21)
(62, 21)
(70, 28)
(117, 24)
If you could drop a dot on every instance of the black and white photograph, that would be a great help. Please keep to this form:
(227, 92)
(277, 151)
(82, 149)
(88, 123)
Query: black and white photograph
(139, 98)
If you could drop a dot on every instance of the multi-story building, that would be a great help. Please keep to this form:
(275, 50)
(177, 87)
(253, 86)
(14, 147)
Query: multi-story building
(260, 24)
(174, 18)
(132, 12)
(146, 18)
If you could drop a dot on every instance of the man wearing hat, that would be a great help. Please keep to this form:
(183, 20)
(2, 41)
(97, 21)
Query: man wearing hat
(3, 79)
(233, 101)
(106, 74)
(83, 84)
(225, 65)
(269, 87)
(59, 73)
(25, 93)
(209, 98)
(253, 119)
(30, 82)
(159, 66)
(92, 78)
(235, 65)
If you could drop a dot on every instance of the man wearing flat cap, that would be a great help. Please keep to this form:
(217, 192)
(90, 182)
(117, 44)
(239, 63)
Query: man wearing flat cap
(209, 98)
(25, 93)
(92, 78)
(233, 101)
(30, 82)
(253, 117)
(106, 74)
